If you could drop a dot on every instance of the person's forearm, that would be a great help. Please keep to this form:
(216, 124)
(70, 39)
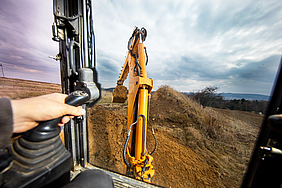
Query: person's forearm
(18, 116)
(27, 113)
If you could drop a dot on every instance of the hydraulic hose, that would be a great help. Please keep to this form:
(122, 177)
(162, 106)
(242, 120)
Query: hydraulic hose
(156, 143)
(146, 55)
(127, 139)
(137, 65)
(125, 144)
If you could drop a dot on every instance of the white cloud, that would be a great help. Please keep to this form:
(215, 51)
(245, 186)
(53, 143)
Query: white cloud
(191, 44)
(25, 40)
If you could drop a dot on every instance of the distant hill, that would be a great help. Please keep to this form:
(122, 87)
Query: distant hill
(231, 96)
(226, 96)
(109, 89)
(250, 97)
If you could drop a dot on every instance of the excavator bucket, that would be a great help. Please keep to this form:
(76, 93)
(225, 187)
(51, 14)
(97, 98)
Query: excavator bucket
(119, 94)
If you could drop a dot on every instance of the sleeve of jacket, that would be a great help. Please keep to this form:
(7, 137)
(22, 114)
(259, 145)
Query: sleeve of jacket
(6, 122)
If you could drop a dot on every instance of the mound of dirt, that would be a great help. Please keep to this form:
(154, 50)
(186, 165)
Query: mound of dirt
(175, 164)
(224, 138)
(197, 147)
(173, 109)
(179, 166)
(107, 132)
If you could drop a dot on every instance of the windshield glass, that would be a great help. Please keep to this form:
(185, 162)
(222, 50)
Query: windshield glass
(213, 65)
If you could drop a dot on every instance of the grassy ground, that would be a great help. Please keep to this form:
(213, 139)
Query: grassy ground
(17, 88)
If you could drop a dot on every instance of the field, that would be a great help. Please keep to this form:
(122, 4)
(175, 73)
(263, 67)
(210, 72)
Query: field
(197, 147)
(17, 88)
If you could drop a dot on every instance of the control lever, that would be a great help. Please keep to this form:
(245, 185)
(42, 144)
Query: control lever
(275, 122)
(49, 129)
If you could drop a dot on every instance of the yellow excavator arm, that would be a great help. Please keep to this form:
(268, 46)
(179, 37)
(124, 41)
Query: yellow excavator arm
(138, 162)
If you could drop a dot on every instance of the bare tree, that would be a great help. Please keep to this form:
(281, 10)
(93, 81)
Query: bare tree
(208, 96)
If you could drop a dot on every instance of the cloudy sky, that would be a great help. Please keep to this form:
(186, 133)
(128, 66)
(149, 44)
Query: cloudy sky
(235, 45)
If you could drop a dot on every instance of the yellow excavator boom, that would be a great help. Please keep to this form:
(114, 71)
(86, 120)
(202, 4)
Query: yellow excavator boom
(136, 157)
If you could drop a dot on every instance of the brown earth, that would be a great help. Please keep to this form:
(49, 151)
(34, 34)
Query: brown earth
(197, 147)
(107, 131)
(176, 165)
(119, 94)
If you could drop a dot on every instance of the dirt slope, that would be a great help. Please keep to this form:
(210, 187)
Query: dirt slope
(107, 131)
(197, 147)
(175, 164)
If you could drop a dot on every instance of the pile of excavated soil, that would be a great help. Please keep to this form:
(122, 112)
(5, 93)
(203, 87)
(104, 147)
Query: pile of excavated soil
(175, 164)
(197, 147)
(179, 166)
(107, 132)
(224, 138)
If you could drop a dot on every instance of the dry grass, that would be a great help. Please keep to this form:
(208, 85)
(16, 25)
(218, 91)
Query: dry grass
(17, 88)
(106, 97)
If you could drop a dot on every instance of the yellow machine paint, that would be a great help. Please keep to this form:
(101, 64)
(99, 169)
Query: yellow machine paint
(140, 87)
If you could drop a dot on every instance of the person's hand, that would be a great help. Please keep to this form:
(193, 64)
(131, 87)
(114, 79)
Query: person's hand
(27, 113)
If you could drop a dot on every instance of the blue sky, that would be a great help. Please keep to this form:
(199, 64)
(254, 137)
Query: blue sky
(191, 44)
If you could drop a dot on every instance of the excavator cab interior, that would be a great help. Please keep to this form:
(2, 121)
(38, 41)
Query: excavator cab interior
(50, 156)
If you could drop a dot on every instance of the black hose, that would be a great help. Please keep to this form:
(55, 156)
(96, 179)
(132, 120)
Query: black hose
(137, 65)
(130, 41)
(127, 139)
(136, 71)
(125, 145)
(156, 143)
(146, 55)
(144, 33)
(128, 44)
(143, 169)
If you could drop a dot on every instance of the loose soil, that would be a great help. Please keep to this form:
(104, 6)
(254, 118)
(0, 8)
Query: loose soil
(119, 94)
(197, 147)
(107, 131)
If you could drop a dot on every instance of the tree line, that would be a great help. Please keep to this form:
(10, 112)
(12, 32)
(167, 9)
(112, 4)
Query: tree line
(209, 97)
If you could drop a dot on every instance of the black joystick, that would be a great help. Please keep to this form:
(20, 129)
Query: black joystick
(49, 129)
(40, 159)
